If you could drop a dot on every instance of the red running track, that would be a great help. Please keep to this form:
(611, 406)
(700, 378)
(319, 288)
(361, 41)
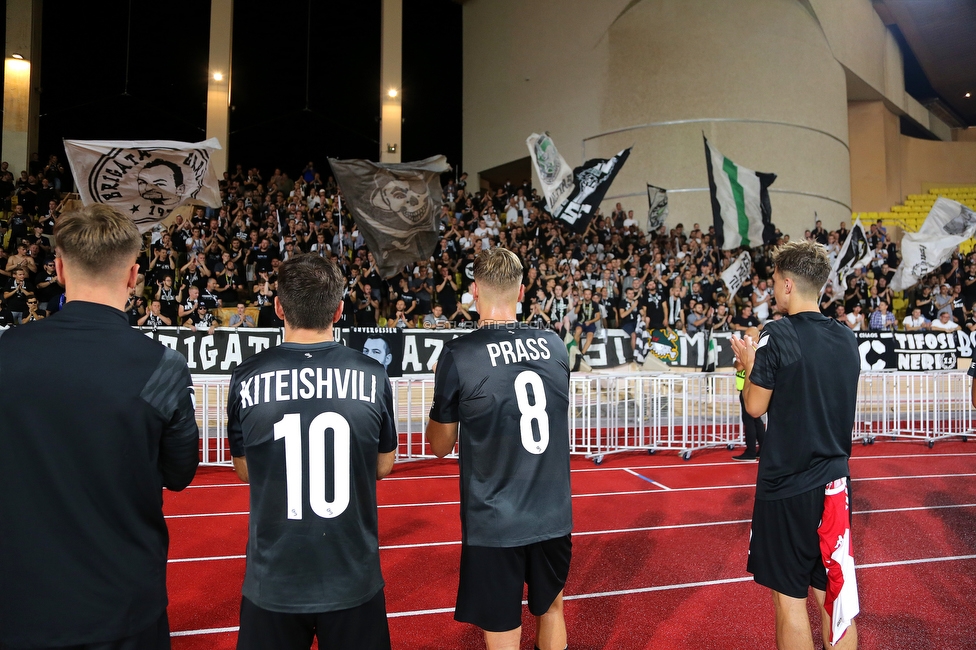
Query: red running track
(659, 553)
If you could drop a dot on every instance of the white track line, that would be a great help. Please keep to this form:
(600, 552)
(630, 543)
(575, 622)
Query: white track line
(611, 531)
(217, 485)
(610, 494)
(644, 478)
(211, 630)
(206, 559)
(629, 467)
(211, 514)
(924, 560)
(619, 592)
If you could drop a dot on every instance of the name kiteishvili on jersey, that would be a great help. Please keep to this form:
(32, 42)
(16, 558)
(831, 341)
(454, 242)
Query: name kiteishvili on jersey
(308, 383)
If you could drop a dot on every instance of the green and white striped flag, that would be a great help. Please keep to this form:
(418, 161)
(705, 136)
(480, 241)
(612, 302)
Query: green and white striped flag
(740, 202)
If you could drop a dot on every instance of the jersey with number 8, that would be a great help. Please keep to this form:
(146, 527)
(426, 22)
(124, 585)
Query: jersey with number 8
(508, 388)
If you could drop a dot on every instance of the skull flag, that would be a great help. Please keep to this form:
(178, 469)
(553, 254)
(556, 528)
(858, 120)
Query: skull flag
(397, 207)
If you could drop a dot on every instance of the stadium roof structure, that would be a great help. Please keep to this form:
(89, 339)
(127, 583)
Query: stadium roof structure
(940, 35)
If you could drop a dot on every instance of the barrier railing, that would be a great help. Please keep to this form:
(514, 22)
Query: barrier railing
(211, 399)
(649, 412)
(925, 406)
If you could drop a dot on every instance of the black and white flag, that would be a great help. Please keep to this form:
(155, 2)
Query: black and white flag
(592, 180)
(146, 180)
(396, 206)
(657, 207)
(741, 209)
(738, 272)
(855, 253)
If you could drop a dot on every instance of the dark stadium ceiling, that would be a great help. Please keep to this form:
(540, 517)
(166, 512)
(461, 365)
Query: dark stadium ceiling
(940, 35)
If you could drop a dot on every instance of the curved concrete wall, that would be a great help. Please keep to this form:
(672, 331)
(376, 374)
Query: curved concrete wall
(757, 76)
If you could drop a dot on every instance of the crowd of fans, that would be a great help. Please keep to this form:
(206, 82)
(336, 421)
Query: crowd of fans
(613, 275)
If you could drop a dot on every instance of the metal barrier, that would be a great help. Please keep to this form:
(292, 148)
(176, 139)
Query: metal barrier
(649, 412)
(925, 406)
(211, 401)
(681, 412)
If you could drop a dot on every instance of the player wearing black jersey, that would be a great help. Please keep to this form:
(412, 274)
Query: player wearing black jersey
(508, 387)
(804, 372)
(311, 428)
(83, 541)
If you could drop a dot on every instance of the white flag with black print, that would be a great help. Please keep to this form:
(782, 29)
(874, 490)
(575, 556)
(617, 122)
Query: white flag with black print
(657, 207)
(738, 272)
(855, 253)
(147, 179)
(947, 225)
(740, 202)
(555, 176)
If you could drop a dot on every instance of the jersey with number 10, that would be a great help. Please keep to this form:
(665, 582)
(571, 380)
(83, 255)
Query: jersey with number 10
(311, 419)
(508, 388)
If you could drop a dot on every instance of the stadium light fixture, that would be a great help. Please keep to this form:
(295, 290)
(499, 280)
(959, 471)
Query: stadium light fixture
(392, 92)
(218, 76)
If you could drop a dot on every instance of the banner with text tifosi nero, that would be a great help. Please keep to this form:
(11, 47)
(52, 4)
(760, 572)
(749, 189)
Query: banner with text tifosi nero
(910, 351)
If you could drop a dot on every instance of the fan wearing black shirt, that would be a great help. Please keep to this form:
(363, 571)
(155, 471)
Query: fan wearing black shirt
(312, 429)
(804, 372)
(745, 319)
(508, 387)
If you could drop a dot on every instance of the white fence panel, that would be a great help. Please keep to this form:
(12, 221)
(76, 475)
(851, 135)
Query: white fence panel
(681, 412)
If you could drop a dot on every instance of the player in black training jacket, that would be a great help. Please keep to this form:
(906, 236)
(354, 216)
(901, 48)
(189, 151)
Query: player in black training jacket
(311, 429)
(508, 387)
(804, 371)
(83, 461)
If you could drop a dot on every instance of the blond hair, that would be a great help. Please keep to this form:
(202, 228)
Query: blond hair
(97, 238)
(806, 263)
(498, 268)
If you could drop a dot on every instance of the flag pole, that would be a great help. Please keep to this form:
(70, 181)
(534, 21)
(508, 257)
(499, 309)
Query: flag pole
(339, 203)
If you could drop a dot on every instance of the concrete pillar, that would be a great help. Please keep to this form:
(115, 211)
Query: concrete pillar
(876, 157)
(21, 81)
(391, 63)
(218, 89)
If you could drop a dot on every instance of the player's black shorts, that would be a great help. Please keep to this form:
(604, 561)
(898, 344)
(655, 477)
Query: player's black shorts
(363, 627)
(784, 549)
(490, 590)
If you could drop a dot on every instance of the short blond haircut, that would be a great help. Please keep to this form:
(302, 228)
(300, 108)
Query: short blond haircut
(498, 268)
(97, 238)
(806, 263)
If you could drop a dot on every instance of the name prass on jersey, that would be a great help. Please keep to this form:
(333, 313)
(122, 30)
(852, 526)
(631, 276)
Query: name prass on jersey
(308, 383)
(518, 350)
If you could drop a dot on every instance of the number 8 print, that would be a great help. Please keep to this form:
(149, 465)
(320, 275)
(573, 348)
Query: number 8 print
(532, 412)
